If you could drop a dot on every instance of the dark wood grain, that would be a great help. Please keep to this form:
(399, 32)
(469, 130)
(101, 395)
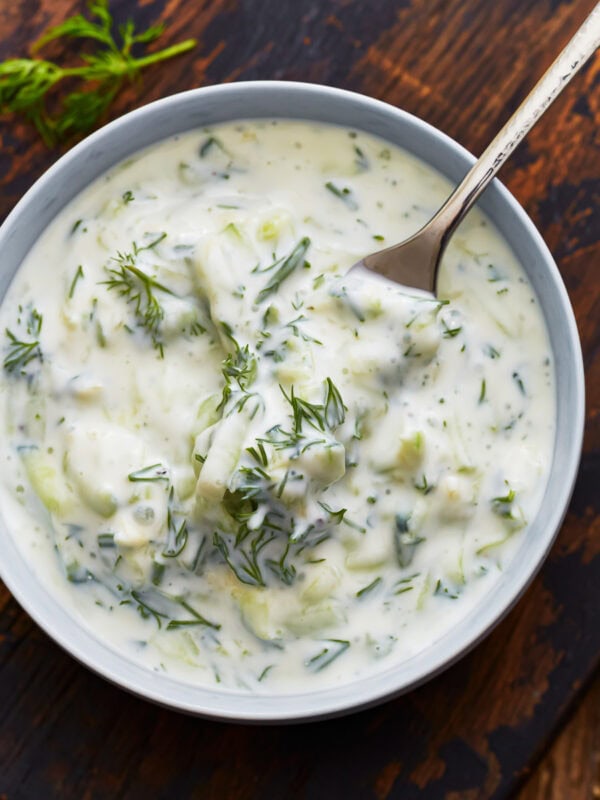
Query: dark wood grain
(571, 767)
(475, 731)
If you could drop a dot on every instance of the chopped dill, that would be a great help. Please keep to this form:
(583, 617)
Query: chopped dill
(327, 655)
(78, 276)
(284, 268)
(345, 195)
(22, 352)
(369, 588)
(154, 472)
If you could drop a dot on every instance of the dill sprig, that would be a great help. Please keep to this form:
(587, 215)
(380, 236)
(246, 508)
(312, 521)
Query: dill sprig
(285, 267)
(293, 325)
(320, 416)
(240, 367)
(503, 505)
(21, 352)
(196, 619)
(239, 371)
(139, 289)
(405, 540)
(27, 84)
(78, 276)
(369, 588)
(254, 552)
(344, 194)
(246, 568)
(304, 411)
(177, 531)
(177, 527)
(162, 606)
(334, 649)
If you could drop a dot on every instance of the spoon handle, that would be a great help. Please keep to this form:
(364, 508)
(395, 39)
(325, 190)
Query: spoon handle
(571, 59)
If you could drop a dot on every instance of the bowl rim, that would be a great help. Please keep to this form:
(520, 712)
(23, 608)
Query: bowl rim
(102, 658)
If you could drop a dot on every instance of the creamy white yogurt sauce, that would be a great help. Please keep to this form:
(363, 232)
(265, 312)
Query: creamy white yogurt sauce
(240, 465)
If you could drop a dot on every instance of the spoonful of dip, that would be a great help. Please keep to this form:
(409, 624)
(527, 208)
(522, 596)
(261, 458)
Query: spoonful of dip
(415, 261)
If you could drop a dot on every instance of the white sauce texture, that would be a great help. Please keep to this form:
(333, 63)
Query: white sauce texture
(238, 464)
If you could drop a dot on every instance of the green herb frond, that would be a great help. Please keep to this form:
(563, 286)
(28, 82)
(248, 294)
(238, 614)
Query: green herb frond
(20, 351)
(27, 84)
(139, 289)
(285, 267)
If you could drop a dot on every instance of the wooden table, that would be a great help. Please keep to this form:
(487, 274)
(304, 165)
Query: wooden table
(476, 730)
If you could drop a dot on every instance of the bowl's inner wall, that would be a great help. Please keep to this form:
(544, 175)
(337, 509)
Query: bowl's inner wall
(261, 99)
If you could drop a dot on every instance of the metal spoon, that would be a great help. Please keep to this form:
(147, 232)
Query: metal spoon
(415, 262)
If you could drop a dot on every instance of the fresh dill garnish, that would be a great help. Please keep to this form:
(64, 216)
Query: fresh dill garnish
(502, 505)
(424, 487)
(163, 606)
(491, 351)
(444, 591)
(31, 86)
(519, 381)
(247, 570)
(158, 571)
(285, 267)
(300, 333)
(335, 516)
(265, 672)
(366, 589)
(493, 274)
(259, 454)
(239, 371)
(208, 144)
(330, 413)
(327, 654)
(78, 574)
(197, 619)
(361, 161)
(344, 194)
(144, 608)
(78, 275)
(354, 525)
(405, 584)
(22, 352)
(482, 392)
(406, 541)
(139, 289)
(450, 333)
(241, 367)
(303, 411)
(318, 416)
(281, 569)
(127, 197)
(177, 532)
(154, 472)
(334, 408)
(341, 292)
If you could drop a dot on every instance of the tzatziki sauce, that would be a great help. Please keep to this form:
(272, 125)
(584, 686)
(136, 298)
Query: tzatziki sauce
(236, 461)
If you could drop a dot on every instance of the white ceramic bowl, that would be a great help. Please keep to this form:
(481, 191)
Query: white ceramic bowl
(215, 104)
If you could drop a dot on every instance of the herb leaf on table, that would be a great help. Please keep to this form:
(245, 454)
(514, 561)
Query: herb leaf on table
(32, 87)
